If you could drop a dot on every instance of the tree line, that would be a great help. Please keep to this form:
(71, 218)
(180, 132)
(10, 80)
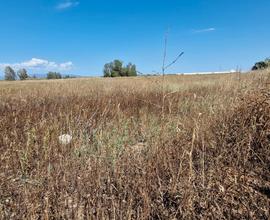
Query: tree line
(22, 74)
(115, 68)
(10, 74)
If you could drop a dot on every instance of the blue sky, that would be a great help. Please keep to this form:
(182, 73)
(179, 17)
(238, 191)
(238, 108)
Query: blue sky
(80, 36)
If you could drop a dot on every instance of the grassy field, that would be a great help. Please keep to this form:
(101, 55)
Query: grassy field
(197, 149)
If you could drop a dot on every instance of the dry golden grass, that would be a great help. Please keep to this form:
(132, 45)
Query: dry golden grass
(207, 158)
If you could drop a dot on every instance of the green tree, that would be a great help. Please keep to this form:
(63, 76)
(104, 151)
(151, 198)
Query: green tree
(10, 74)
(107, 70)
(54, 75)
(113, 69)
(116, 68)
(261, 65)
(68, 77)
(22, 74)
(131, 70)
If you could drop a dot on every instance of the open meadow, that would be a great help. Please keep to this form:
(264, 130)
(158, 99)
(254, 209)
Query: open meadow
(182, 147)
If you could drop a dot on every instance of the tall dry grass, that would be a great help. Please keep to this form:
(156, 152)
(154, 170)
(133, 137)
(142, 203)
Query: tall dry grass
(203, 154)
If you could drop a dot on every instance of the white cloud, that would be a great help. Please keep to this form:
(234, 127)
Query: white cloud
(67, 4)
(40, 64)
(204, 30)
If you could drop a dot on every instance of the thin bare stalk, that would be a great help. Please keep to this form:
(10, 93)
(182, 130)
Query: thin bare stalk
(163, 71)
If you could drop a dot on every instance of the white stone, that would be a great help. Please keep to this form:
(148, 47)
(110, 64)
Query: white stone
(65, 139)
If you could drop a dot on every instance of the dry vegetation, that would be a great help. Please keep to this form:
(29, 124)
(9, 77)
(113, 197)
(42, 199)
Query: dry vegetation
(206, 156)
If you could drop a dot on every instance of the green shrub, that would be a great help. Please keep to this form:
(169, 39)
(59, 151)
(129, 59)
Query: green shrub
(54, 75)
(261, 65)
(116, 69)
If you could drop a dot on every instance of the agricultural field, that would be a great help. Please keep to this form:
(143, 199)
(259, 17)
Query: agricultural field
(178, 147)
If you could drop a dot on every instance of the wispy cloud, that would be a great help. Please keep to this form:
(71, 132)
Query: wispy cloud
(39, 64)
(67, 4)
(204, 30)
